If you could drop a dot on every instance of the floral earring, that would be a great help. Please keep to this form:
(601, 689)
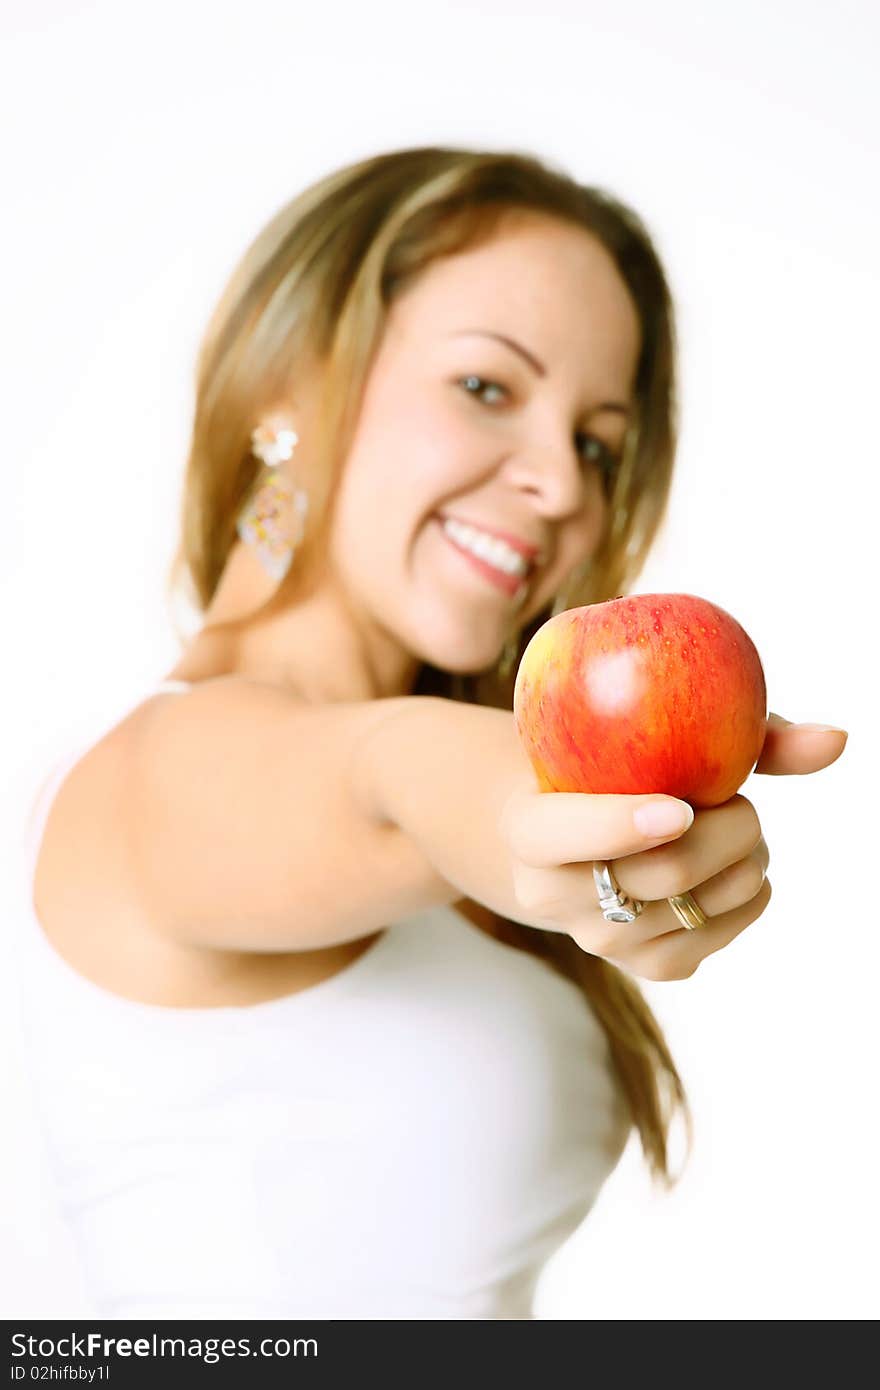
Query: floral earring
(273, 521)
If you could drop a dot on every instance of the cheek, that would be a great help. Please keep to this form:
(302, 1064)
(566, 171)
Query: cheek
(596, 519)
(580, 542)
(434, 455)
(425, 417)
(386, 508)
(400, 477)
(581, 533)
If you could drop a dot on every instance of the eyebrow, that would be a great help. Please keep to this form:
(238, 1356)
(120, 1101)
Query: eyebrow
(536, 365)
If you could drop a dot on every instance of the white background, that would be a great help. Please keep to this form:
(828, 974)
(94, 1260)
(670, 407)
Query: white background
(144, 147)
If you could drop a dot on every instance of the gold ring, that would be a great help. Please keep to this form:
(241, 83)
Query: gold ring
(688, 912)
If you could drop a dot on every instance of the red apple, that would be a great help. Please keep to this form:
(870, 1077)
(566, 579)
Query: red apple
(645, 693)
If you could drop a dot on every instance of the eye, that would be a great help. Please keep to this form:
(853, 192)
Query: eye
(593, 449)
(476, 385)
(598, 452)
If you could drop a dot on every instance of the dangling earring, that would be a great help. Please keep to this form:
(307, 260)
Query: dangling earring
(563, 599)
(273, 521)
(508, 657)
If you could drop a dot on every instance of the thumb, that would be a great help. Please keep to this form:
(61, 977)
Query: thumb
(545, 830)
(799, 748)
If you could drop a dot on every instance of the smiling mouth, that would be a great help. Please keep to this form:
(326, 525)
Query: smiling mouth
(514, 585)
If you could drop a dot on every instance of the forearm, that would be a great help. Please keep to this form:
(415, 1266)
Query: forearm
(441, 771)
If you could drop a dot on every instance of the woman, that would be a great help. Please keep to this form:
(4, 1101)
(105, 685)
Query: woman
(347, 1032)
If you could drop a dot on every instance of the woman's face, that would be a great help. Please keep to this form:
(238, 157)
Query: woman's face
(457, 427)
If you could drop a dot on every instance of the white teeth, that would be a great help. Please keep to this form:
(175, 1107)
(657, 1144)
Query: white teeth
(489, 548)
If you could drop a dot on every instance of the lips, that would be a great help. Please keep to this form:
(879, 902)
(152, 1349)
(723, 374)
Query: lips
(513, 585)
(532, 553)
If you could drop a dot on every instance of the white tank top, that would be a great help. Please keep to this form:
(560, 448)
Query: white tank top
(413, 1137)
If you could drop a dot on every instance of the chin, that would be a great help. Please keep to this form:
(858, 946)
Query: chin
(458, 663)
(459, 668)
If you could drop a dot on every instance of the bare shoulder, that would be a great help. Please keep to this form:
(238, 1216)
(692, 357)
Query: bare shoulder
(197, 711)
(205, 784)
(246, 823)
(79, 892)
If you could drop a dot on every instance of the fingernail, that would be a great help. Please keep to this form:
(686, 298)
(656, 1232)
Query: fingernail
(668, 817)
(822, 728)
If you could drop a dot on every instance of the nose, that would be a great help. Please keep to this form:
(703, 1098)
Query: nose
(551, 470)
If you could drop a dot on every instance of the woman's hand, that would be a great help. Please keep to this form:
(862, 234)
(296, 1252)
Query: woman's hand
(798, 748)
(721, 859)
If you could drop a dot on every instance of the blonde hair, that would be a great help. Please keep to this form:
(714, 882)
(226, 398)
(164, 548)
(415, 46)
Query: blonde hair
(307, 303)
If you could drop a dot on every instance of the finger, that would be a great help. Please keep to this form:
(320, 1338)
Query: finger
(546, 829)
(799, 748)
(720, 836)
(678, 954)
(734, 886)
(614, 941)
(564, 899)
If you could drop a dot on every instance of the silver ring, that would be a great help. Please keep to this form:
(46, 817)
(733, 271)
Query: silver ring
(615, 905)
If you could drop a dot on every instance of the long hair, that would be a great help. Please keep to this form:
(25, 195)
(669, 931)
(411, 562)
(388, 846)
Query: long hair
(308, 301)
